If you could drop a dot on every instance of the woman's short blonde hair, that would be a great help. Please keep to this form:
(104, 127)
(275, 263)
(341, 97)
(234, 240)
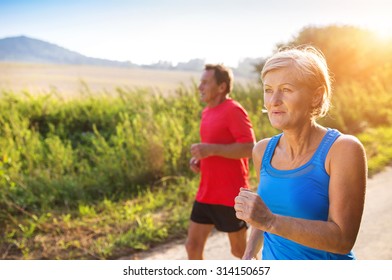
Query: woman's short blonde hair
(312, 71)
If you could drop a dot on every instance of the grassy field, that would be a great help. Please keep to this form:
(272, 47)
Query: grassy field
(70, 80)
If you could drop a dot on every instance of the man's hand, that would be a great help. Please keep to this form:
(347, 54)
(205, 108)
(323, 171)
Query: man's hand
(194, 164)
(201, 150)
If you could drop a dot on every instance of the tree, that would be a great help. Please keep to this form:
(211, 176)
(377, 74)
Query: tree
(352, 53)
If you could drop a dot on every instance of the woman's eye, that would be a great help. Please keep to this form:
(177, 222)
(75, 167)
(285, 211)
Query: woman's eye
(267, 90)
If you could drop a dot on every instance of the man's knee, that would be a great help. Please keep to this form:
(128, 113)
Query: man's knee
(190, 246)
(238, 243)
(194, 250)
(193, 246)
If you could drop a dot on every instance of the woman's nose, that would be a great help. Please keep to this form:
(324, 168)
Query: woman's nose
(276, 97)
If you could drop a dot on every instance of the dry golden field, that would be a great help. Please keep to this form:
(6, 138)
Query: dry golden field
(68, 80)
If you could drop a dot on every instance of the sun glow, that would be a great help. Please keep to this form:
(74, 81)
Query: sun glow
(384, 34)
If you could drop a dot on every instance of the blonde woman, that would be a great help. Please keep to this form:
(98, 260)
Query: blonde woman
(312, 179)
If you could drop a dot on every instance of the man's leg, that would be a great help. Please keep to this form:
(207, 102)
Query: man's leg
(238, 242)
(197, 237)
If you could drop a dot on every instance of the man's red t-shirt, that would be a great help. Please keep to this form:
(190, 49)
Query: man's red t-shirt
(222, 178)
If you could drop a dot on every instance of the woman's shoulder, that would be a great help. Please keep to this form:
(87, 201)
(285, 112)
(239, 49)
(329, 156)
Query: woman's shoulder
(345, 141)
(262, 143)
(260, 146)
(258, 152)
(347, 147)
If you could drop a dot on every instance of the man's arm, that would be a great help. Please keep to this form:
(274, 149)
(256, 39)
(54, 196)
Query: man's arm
(233, 151)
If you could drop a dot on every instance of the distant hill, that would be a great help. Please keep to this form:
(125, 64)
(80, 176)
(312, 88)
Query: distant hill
(25, 49)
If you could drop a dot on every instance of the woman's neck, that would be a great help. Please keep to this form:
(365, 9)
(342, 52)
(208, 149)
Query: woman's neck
(301, 142)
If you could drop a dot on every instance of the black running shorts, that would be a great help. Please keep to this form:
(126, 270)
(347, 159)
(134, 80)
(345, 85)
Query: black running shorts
(223, 217)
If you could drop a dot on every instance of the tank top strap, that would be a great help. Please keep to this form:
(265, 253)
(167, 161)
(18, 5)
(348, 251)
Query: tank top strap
(269, 150)
(325, 145)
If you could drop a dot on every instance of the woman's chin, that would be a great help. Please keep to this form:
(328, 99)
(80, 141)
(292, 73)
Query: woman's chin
(277, 125)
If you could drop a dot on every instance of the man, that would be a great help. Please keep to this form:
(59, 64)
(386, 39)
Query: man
(227, 139)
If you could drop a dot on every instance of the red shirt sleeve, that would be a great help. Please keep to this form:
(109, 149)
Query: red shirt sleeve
(240, 125)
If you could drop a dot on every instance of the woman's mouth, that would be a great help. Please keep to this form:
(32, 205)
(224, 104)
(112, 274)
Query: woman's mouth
(277, 112)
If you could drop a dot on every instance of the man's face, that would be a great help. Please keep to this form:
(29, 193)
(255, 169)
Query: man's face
(210, 91)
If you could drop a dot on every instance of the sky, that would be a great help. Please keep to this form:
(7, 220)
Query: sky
(148, 31)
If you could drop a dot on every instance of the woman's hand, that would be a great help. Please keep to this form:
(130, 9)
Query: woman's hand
(251, 208)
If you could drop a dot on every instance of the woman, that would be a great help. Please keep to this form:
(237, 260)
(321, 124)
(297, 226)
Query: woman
(311, 193)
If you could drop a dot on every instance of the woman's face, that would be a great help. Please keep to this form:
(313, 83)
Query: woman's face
(288, 101)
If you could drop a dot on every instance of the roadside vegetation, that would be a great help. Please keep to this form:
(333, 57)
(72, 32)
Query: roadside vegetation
(102, 176)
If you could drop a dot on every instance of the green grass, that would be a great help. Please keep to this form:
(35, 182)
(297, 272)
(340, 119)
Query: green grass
(378, 145)
(106, 229)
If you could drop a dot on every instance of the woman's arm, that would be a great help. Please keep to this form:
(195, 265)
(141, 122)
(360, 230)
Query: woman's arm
(347, 167)
(254, 244)
(255, 241)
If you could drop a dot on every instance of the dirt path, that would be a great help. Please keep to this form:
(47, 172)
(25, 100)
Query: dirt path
(374, 241)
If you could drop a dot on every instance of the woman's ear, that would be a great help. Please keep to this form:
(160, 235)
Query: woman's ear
(318, 96)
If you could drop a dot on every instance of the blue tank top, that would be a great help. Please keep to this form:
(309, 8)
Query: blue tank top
(302, 193)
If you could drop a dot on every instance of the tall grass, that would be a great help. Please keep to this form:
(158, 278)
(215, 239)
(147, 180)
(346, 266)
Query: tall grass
(89, 148)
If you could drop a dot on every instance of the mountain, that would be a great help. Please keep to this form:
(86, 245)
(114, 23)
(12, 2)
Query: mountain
(25, 49)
